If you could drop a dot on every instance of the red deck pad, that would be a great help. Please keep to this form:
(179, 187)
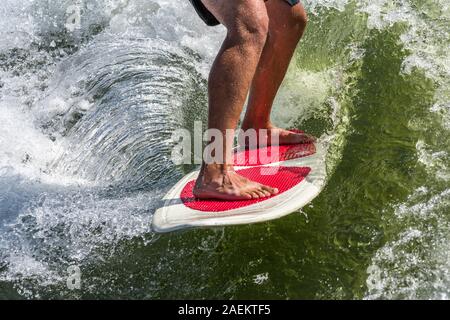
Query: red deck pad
(267, 155)
(285, 179)
(272, 154)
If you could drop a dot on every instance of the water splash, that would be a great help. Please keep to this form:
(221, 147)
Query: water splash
(87, 117)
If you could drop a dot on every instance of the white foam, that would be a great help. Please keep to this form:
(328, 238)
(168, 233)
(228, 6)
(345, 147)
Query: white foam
(45, 202)
(436, 162)
(416, 264)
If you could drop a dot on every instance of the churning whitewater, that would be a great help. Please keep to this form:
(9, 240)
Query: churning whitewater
(92, 90)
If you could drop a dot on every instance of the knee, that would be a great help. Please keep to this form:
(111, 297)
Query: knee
(252, 29)
(300, 18)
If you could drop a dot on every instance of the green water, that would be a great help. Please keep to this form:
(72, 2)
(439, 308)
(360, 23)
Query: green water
(324, 250)
(379, 229)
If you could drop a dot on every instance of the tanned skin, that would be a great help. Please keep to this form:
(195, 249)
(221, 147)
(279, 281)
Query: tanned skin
(260, 42)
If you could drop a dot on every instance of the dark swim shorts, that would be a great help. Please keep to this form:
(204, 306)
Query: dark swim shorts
(209, 18)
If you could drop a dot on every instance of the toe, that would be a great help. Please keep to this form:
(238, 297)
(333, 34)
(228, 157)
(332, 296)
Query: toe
(272, 191)
(255, 195)
(261, 194)
(266, 193)
(245, 196)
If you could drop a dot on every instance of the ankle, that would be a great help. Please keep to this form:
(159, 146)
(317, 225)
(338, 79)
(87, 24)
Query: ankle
(217, 167)
(256, 124)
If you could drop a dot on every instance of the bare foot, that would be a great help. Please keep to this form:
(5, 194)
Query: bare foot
(219, 181)
(285, 136)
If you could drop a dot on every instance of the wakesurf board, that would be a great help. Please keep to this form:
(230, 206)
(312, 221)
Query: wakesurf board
(298, 171)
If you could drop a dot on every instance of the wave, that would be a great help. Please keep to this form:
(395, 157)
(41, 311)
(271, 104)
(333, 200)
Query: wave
(87, 116)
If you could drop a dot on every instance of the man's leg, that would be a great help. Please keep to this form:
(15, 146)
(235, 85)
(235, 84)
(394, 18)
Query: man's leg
(286, 27)
(229, 83)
